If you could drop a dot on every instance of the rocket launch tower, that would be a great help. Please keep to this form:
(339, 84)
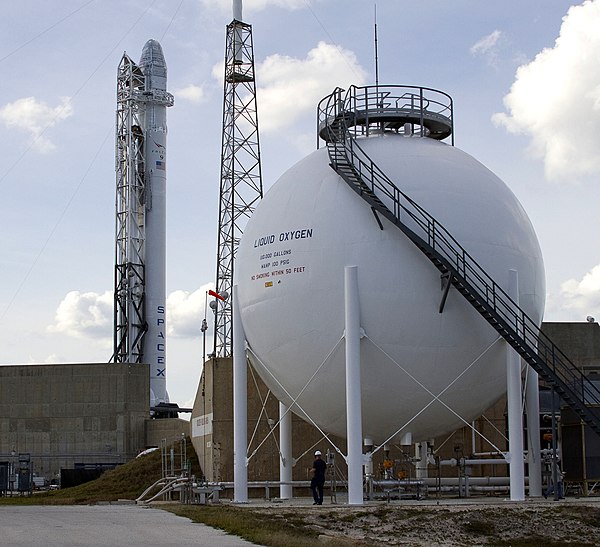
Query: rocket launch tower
(140, 262)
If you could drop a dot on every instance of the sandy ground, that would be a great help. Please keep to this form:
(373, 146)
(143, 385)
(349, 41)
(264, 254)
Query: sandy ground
(433, 523)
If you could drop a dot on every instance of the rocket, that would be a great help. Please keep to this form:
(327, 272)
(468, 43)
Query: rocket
(154, 100)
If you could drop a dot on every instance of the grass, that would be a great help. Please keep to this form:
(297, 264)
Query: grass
(265, 529)
(126, 481)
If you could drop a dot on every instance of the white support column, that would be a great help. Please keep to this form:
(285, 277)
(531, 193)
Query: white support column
(240, 406)
(353, 386)
(534, 452)
(515, 408)
(287, 461)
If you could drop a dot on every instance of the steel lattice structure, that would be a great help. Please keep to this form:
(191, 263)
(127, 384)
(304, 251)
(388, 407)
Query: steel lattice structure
(241, 179)
(129, 315)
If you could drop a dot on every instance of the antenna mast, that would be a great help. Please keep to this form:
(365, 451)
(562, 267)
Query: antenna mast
(241, 178)
(376, 54)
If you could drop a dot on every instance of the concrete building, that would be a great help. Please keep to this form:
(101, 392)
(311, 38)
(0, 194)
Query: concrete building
(212, 428)
(71, 415)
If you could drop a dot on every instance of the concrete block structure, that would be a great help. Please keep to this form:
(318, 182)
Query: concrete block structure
(212, 428)
(73, 414)
(580, 341)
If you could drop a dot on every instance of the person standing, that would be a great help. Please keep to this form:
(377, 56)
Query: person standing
(555, 482)
(318, 478)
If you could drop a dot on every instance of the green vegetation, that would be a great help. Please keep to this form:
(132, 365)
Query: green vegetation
(268, 529)
(126, 481)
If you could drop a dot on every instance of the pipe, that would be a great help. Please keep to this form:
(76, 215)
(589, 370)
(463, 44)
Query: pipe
(453, 462)
(478, 481)
(391, 483)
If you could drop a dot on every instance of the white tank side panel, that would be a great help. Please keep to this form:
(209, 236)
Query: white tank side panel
(290, 268)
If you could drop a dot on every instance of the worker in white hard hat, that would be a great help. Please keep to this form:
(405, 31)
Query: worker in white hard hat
(318, 478)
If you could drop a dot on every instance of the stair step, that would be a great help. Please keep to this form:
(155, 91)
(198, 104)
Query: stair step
(554, 370)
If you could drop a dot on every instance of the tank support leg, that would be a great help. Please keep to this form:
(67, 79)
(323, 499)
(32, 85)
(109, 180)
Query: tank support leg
(515, 408)
(353, 387)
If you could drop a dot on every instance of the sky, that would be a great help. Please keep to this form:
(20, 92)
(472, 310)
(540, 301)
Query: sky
(524, 76)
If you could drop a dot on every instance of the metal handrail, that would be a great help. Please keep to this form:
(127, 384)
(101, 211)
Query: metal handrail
(450, 256)
(370, 101)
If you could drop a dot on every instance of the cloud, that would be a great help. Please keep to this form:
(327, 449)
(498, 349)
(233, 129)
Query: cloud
(583, 297)
(35, 117)
(289, 88)
(486, 45)
(225, 6)
(85, 315)
(88, 315)
(185, 311)
(555, 99)
(192, 93)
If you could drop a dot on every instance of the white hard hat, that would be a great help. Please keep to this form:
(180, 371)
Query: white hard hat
(318, 453)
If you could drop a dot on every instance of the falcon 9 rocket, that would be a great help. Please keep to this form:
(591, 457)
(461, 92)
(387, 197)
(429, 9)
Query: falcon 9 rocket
(140, 280)
(154, 126)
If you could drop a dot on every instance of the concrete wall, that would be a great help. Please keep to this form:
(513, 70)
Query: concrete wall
(579, 341)
(77, 413)
(167, 430)
(212, 421)
(212, 428)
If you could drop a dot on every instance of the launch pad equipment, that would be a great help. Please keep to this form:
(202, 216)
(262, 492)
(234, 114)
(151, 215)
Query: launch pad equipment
(141, 131)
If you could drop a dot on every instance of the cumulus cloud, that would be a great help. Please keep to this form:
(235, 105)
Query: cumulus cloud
(583, 296)
(192, 93)
(555, 99)
(35, 117)
(85, 315)
(289, 88)
(185, 311)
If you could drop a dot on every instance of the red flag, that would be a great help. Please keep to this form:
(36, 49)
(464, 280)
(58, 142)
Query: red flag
(216, 295)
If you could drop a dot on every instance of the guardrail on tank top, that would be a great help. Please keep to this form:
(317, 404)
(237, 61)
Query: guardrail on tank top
(338, 124)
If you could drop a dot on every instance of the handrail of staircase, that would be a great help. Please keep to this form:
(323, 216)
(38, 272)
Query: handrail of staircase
(373, 100)
(409, 215)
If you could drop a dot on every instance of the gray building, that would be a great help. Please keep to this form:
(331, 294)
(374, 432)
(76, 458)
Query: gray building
(69, 415)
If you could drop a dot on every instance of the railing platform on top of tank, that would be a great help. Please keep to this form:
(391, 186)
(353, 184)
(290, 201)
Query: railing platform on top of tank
(524, 334)
(428, 112)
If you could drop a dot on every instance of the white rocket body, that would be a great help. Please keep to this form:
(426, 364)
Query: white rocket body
(154, 118)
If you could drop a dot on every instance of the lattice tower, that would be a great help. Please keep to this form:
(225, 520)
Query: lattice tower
(241, 179)
(129, 317)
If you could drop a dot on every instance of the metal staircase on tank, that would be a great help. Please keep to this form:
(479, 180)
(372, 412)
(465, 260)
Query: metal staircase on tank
(344, 115)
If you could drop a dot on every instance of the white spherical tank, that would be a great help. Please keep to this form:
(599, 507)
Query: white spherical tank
(423, 372)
